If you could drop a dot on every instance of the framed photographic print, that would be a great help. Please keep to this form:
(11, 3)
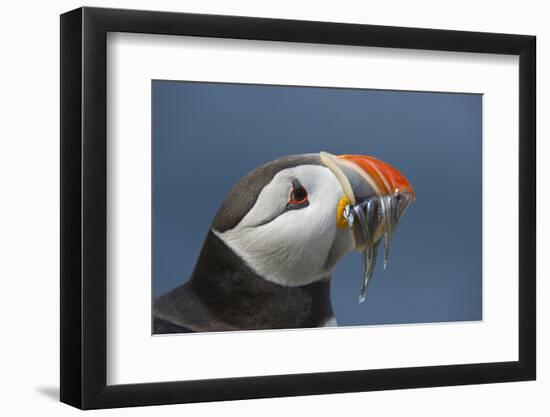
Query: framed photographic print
(258, 207)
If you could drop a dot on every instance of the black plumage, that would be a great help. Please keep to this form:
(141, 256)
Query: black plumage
(225, 294)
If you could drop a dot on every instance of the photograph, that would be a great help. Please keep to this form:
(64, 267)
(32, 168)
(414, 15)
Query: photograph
(290, 207)
(260, 205)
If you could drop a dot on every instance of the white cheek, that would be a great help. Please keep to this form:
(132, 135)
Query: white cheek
(294, 247)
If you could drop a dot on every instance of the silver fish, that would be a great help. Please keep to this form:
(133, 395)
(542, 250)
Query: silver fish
(368, 215)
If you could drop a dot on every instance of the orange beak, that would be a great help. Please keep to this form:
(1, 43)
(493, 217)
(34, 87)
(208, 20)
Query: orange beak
(379, 177)
(388, 180)
(363, 179)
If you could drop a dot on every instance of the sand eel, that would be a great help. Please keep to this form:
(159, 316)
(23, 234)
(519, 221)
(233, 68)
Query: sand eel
(267, 259)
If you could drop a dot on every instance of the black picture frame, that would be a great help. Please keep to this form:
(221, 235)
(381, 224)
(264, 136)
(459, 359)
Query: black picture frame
(84, 197)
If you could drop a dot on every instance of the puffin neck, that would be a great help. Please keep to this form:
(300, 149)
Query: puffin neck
(236, 295)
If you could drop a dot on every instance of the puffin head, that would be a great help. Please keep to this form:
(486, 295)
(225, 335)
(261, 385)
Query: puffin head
(292, 219)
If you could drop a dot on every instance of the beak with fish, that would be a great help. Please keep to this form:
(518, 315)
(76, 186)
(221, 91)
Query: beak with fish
(376, 196)
(268, 256)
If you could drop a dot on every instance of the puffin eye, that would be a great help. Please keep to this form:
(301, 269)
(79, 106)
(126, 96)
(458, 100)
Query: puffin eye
(298, 196)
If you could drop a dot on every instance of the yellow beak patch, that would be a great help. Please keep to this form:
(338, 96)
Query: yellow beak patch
(341, 221)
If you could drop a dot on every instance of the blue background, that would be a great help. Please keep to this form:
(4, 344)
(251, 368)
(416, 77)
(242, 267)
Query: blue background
(206, 136)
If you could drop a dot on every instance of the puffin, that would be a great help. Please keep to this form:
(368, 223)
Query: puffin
(267, 258)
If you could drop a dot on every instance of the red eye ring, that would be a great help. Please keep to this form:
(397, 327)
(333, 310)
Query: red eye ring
(298, 195)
